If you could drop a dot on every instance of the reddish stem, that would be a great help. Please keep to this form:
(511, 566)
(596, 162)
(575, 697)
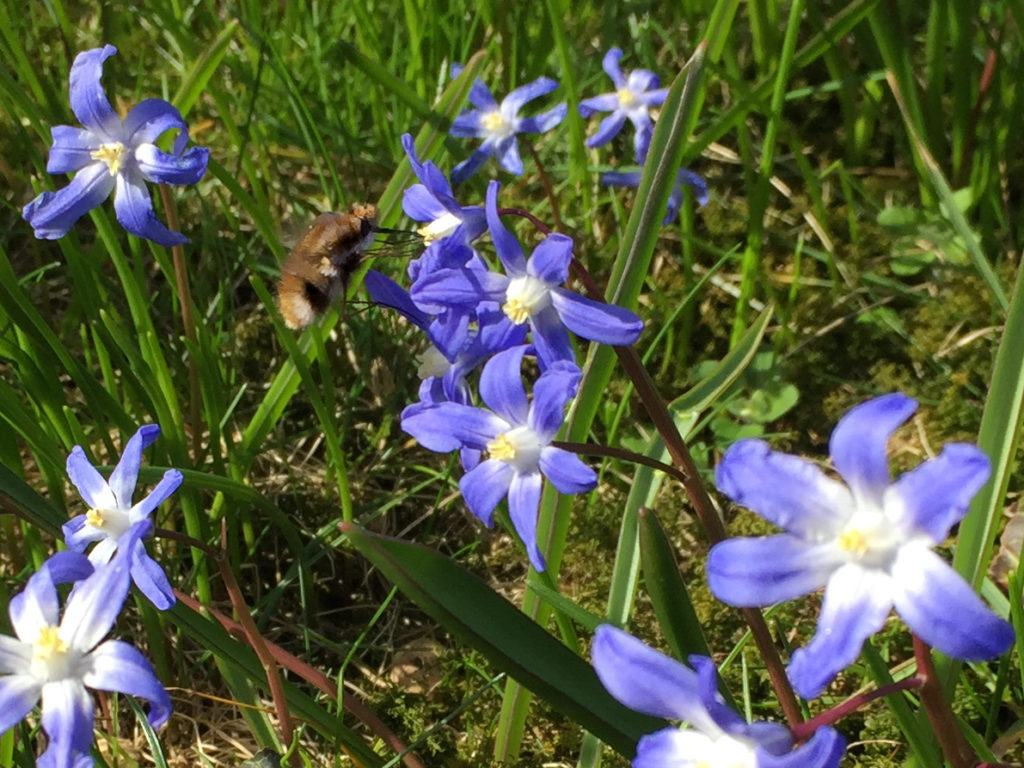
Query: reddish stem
(933, 698)
(804, 731)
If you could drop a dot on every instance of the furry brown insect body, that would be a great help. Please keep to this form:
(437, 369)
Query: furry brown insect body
(318, 268)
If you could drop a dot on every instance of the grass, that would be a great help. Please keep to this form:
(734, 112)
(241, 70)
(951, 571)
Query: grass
(805, 148)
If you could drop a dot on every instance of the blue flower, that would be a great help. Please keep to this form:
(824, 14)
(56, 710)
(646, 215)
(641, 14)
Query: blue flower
(113, 154)
(868, 543)
(650, 682)
(684, 178)
(498, 125)
(634, 96)
(57, 659)
(531, 293)
(517, 435)
(112, 516)
(433, 202)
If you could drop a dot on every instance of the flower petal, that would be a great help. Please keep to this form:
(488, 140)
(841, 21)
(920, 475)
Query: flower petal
(151, 580)
(505, 243)
(595, 320)
(642, 138)
(420, 205)
(468, 125)
(647, 681)
(117, 666)
(162, 168)
(857, 601)
(751, 572)
(88, 481)
(523, 506)
(453, 288)
(18, 694)
(168, 484)
(550, 260)
(67, 719)
(95, 602)
(606, 102)
(543, 122)
(942, 609)
(551, 337)
(566, 471)
(608, 129)
(551, 393)
(444, 427)
(629, 179)
(506, 152)
(501, 386)
(36, 606)
(72, 149)
(480, 96)
(125, 475)
(15, 659)
(641, 80)
(785, 490)
(823, 750)
(78, 535)
(686, 177)
(471, 164)
(515, 101)
(484, 486)
(150, 119)
(387, 293)
(610, 64)
(857, 445)
(52, 214)
(936, 494)
(134, 210)
(88, 100)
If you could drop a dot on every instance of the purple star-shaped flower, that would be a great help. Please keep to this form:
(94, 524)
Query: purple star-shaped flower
(530, 293)
(112, 516)
(111, 154)
(432, 203)
(498, 124)
(516, 433)
(643, 679)
(684, 178)
(868, 543)
(634, 96)
(57, 659)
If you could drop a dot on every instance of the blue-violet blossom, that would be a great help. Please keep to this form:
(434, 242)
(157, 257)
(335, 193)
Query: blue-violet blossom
(498, 124)
(111, 154)
(112, 516)
(868, 543)
(643, 679)
(531, 292)
(57, 659)
(684, 178)
(433, 203)
(516, 433)
(634, 96)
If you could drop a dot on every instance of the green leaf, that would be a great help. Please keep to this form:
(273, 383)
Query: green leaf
(474, 613)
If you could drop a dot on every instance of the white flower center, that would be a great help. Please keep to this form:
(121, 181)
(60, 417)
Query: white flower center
(627, 99)
(52, 658)
(525, 296)
(519, 447)
(111, 153)
(496, 124)
(870, 537)
(113, 522)
(432, 363)
(440, 227)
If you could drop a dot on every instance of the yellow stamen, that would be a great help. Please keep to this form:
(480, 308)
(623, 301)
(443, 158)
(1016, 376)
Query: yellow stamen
(112, 154)
(853, 541)
(517, 311)
(501, 448)
(94, 517)
(48, 644)
(626, 98)
(493, 122)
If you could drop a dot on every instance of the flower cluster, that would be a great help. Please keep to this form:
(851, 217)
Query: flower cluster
(475, 316)
(55, 657)
(110, 154)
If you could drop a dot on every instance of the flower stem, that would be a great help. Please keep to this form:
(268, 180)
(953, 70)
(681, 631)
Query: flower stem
(951, 738)
(548, 190)
(699, 498)
(593, 449)
(805, 730)
(188, 320)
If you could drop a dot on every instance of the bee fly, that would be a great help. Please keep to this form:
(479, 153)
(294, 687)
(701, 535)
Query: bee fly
(318, 268)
